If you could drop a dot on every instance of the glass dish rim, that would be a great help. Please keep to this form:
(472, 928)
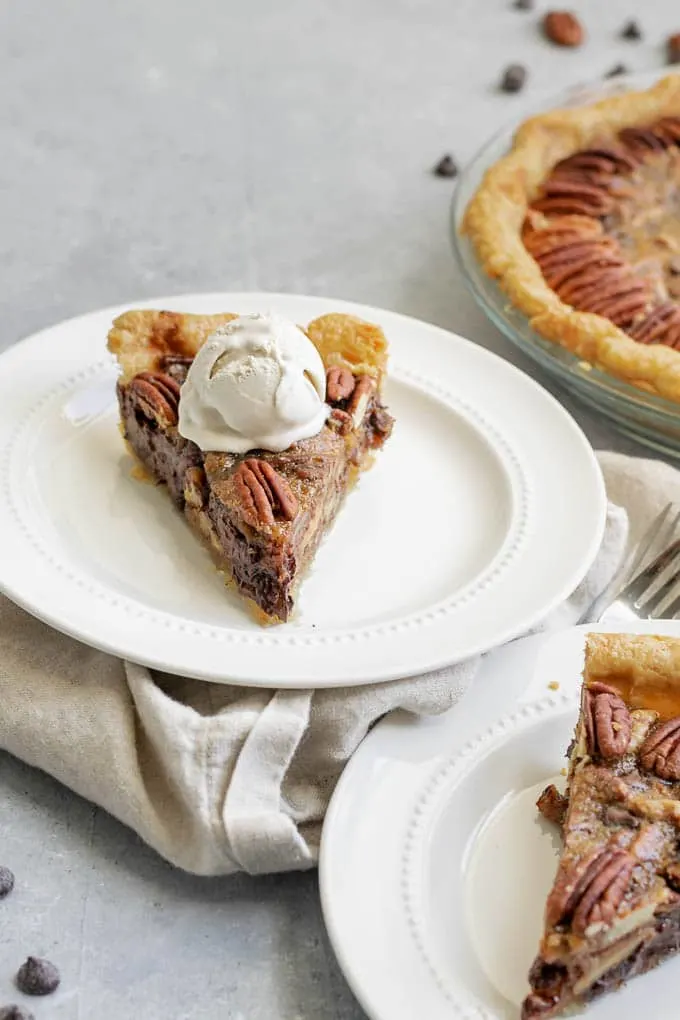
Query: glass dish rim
(567, 367)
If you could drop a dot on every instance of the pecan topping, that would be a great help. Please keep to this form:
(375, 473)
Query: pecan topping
(605, 159)
(568, 205)
(641, 141)
(358, 402)
(673, 48)
(590, 890)
(607, 720)
(157, 397)
(552, 805)
(670, 126)
(176, 366)
(624, 304)
(340, 383)
(563, 28)
(265, 495)
(660, 326)
(340, 420)
(660, 753)
(570, 186)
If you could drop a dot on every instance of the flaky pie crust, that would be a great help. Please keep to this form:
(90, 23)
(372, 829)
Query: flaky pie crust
(142, 339)
(494, 218)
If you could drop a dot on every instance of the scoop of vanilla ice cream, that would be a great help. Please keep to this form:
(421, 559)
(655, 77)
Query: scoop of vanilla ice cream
(257, 382)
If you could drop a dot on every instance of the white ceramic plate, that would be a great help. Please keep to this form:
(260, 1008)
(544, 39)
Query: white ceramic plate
(434, 865)
(484, 510)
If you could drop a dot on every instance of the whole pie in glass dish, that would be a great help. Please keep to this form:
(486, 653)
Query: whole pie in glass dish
(261, 511)
(614, 909)
(579, 224)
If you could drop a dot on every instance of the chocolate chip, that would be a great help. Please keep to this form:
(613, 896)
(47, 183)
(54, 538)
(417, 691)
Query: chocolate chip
(15, 1012)
(6, 882)
(446, 167)
(616, 70)
(37, 977)
(514, 77)
(631, 30)
(673, 48)
(523, 5)
(674, 266)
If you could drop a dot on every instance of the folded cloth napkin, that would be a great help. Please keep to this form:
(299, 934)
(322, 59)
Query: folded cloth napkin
(220, 778)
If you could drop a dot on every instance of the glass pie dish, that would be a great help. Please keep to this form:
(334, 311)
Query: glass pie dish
(644, 416)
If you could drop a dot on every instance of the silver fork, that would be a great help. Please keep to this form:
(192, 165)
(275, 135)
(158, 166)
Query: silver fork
(648, 586)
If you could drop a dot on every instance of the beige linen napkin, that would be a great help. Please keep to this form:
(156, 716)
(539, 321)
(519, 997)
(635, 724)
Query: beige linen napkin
(220, 778)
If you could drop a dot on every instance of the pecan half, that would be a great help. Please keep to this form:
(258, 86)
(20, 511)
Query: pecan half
(571, 186)
(641, 141)
(670, 127)
(156, 395)
(590, 890)
(625, 302)
(264, 494)
(660, 753)
(673, 48)
(605, 158)
(358, 402)
(176, 366)
(563, 28)
(659, 326)
(340, 420)
(607, 720)
(552, 805)
(570, 205)
(340, 383)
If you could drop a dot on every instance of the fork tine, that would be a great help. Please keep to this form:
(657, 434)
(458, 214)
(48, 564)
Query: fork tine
(672, 609)
(651, 603)
(653, 536)
(638, 588)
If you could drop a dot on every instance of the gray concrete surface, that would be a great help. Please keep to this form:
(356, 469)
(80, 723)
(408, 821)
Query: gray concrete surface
(154, 146)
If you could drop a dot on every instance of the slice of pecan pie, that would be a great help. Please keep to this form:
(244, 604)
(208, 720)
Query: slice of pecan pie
(614, 910)
(262, 514)
(580, 225)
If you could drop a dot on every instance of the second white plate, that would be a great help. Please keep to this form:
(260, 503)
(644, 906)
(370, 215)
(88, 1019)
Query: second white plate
(435, 865)
(484, 510)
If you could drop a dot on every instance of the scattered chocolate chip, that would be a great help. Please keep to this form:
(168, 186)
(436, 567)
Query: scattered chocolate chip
(563, 28)
(673, 48)
(446, 167)
(631, 30)
(674, 266)
(6, 882)
(616, 70)
(15, 1012)
(37, 977)
(514, 78)
(523, 5)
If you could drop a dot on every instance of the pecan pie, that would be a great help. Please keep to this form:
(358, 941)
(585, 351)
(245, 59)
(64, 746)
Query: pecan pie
(261, 514)
(614, 910)
(580, 225)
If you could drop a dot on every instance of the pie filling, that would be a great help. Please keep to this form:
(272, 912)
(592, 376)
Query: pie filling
(605, 232)
(262, 515)
(614, 909)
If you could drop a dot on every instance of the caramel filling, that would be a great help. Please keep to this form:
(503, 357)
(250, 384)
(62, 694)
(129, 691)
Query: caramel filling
(660, 696)
(646, 221)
